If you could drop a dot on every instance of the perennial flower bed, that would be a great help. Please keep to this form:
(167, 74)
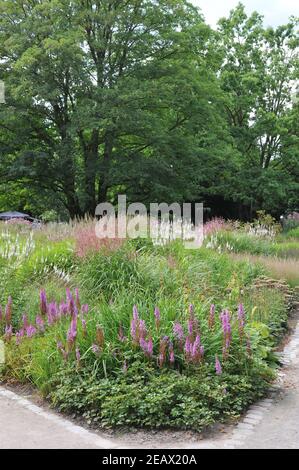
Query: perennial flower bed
(153, 336)
(183, 348)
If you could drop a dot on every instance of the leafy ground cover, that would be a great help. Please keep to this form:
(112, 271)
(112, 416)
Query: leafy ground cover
(129, 333)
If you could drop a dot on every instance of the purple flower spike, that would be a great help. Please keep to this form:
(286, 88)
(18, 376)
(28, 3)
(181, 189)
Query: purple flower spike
(134, 330)
(171, 352)
(150, 347)
(121, 335)
(218, 367)
(52, 313)
(25, 320)
(8, 333)
(19, 336)
(178, 331)
(63, 309)
(157, 317)
(143, 344)
(43, 302)
(8, 311)
(95, 349)
(83, 322)
(212, 316)
(135, 313)
(188, 346)
(84, 309)
(40, 323)
(78, 355)
(190, 327)
(146, 346)
(30, 331)
(157, 313)
(72, 332)
(226, 329)
(142, 329)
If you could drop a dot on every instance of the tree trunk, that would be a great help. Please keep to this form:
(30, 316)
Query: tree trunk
(104, 171)
(90, 162)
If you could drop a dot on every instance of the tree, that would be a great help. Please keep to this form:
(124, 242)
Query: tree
(257, 74)
(101, 86)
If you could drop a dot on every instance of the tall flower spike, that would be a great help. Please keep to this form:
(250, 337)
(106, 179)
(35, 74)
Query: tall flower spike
(40, 323)
(178, 332)
(188, 348)
(8, 311)
(226, 329)
(100, 336)
(84, 309)
(78, 355)
(135, 313)
(142, 329)
(72, 333)
(8, 333)
(95, 349)
(43, 302)
(30, 331)
(218, 367)
(212, 316)
(171, 352)
(25, 320)
(157, 317)
(121, 335)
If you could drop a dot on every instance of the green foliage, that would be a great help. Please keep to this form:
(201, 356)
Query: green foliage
(156, 94)
(241, 242)
(145, 398)
(293, 233)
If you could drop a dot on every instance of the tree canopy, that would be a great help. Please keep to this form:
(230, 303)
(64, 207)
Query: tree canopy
(142, 97)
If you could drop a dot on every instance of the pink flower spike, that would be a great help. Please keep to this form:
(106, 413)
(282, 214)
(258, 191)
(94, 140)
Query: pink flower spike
(78, 355)
(8, 333)
(40, 323)
(218, 367)
(43, 302)
(84, 309)
(8, 311)
(95, 349)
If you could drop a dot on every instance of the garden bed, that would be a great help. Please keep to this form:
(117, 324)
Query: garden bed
(132, 334)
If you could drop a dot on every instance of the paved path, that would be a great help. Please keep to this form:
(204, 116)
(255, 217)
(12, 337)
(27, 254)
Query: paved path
(24, 425)
(271, 423)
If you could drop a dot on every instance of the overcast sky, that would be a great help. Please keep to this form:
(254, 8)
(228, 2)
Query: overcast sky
(276, 12)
